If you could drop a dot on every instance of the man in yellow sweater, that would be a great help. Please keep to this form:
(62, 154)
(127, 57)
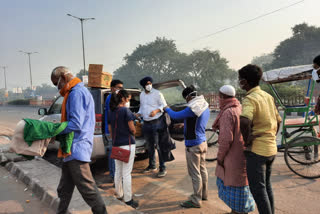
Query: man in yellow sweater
(259, 124)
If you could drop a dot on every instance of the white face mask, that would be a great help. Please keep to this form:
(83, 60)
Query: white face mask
(315, 75)
(241, 85)
(148, 87)
(58, 83)
(127, 105)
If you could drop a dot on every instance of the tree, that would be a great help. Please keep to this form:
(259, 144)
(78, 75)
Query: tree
(263, 61)
(46, 91)
(159, 59)
(299, 49)
(209, 71)
(81, 73)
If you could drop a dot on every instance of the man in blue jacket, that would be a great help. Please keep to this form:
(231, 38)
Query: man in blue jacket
(196, 116)
(78, 110)
(116, 85)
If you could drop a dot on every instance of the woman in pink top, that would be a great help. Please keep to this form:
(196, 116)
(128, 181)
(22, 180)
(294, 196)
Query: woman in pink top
(231, 173)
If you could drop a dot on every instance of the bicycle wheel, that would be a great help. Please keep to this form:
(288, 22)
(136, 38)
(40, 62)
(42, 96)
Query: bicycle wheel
(212, 140)
(302, 157)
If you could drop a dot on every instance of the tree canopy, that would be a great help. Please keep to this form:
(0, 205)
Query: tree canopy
(299, 49)
(162, 61)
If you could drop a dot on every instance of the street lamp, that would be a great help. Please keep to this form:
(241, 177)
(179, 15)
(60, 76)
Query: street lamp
(5, 76)
(29, 53)
(81, 21)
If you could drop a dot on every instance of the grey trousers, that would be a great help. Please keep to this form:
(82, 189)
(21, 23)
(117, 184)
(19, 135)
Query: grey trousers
(198, 172)
(78, 173)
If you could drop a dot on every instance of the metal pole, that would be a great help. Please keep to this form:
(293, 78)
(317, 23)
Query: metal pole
(84, 59)
(30, 70)
(5, 77)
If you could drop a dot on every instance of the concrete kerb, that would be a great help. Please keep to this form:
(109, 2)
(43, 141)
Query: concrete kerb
(42, 179)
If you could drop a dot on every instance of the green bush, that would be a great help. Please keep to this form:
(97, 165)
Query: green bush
(19, 102)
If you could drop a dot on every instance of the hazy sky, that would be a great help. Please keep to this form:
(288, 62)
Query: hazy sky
(121, 25)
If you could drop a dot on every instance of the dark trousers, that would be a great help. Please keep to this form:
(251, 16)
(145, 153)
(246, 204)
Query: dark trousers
(151, 134)
(77, 173)
(259, 172)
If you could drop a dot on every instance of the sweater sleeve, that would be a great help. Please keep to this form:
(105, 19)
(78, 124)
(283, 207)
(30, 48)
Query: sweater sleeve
(185, 113)
(225, 134)
(76, 105)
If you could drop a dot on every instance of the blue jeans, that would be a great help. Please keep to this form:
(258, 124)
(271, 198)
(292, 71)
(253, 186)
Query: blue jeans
(259, 172)
(111, 163)
(151, 135)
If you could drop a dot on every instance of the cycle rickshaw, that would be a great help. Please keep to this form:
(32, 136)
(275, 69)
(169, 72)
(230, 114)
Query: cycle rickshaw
(299, 140)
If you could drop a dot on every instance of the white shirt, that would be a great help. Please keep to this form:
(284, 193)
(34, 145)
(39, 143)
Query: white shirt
(149, 102)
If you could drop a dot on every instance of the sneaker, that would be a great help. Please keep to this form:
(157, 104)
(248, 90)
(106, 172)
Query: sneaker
(133, 203)
(149, 169)
(189, 204)
(162, 173)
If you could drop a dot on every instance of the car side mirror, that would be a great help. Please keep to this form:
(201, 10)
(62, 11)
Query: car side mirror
(42, 111)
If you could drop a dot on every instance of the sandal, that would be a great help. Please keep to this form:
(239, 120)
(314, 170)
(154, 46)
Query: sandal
(189, 204)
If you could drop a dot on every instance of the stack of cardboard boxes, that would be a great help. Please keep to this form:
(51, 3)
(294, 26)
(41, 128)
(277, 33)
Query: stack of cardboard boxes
(98, 78)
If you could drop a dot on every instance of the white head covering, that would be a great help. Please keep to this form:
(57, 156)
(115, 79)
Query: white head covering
(228, 90)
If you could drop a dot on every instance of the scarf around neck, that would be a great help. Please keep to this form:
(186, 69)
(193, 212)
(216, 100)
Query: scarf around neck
(227, 103)
(198, 105)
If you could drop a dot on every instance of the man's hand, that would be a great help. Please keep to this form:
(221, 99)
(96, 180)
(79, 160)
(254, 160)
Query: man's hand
(220, 162)
(138, 116)
(154, 112)
(178, 126)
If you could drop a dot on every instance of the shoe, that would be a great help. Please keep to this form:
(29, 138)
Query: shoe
(189, 204)
(162, 173)
(149, 169)
(133, 203)
(204, 199)
(120, 198)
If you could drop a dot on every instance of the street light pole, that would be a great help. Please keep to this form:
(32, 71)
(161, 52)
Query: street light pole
(81, 22)
(5, 76)
(29, 53)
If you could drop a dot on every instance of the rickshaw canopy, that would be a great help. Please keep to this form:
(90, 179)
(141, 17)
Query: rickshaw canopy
(288, 74)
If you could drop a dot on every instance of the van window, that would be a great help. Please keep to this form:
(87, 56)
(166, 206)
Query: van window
(56, 106)
(173, 95)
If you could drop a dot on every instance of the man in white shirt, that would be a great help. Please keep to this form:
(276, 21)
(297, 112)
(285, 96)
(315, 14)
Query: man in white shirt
(152, 103)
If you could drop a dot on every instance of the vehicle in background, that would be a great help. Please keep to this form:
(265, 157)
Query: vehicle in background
(171, 90)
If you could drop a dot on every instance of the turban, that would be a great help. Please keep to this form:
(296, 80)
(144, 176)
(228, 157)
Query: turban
(144, 81)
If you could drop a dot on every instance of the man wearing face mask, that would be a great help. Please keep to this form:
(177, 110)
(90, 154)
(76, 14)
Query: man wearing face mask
(196, 116)
(152, 103)
(259, 124)
(116, 86)
(78, 110)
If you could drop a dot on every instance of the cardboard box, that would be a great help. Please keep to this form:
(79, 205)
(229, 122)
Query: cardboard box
(95, 68)
(98, 78)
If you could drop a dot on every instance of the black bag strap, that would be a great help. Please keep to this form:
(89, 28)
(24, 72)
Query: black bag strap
(115, 131)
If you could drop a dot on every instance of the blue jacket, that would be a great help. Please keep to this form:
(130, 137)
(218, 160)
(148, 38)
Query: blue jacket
(81, 118)
(194, 127)
(106, 112)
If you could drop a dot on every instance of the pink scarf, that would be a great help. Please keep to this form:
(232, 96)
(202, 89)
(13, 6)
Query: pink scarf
(224, 105)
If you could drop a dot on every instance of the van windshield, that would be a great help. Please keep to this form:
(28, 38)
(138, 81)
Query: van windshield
(173, 95)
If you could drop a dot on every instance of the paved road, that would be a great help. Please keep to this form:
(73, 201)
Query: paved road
(292, 193)
(15, 198)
